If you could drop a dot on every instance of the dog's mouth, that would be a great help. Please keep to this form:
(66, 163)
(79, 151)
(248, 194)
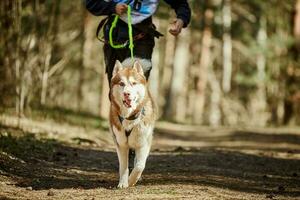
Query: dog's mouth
(127, 103)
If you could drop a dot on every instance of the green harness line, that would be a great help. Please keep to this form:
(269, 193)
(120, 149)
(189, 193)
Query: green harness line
(114, 24)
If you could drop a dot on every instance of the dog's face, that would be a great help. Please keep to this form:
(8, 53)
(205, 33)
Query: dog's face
(128, 85)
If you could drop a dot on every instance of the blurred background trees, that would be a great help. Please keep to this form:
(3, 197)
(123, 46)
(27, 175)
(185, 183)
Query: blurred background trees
(237, 63)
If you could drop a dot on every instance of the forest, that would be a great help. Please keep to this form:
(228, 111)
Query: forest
(236, 64)
(227, 91)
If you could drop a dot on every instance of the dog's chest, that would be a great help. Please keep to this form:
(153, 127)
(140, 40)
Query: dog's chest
(137, 134)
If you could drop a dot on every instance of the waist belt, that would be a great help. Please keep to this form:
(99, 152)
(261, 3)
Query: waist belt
(145, 27)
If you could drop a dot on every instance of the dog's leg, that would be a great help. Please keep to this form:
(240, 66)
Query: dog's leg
(123, 166)
(140, 162)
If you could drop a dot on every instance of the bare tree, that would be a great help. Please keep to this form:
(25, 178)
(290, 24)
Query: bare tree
(178, 82)
(258, 101)
(215, 99)
(297, 23)
(48, 48)
(154, 78)
(82, 36)
(167, 73)
(17, 9)
(227, 46)
(205, 61)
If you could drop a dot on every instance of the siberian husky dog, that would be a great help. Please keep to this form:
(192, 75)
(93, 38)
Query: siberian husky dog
(132, 117)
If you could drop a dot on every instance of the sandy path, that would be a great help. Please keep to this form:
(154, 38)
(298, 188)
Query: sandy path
(186, 163)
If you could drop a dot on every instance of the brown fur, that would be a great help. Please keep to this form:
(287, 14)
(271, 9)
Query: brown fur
(148, 103)
(135, 129)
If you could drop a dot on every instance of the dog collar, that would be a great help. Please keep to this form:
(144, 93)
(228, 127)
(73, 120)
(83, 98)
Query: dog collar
(131, 118)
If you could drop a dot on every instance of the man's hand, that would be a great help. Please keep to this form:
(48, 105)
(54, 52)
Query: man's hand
(121, 8)
(176, 27)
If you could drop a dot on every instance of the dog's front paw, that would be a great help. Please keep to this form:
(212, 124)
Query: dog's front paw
(123, 184)
(132, 181)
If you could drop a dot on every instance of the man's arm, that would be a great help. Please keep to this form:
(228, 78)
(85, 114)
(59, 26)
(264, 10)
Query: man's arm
(100, 7)
(182, 10)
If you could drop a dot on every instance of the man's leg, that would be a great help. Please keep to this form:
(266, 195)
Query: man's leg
(142, 49)
(111, 55)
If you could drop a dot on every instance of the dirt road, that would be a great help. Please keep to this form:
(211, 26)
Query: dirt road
(186, 163)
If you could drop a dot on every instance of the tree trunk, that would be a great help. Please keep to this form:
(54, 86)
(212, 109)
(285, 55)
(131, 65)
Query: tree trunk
(258, 100)
(205, 60)
(178, 81)
(297, 24)
(154, 77)
(18, 16)
(292, 100)
(81, 60)
(296, 95)
(49, 40)
(161, 67)
(215, 99)
(45, 76)
(227, 46)
(167, 74)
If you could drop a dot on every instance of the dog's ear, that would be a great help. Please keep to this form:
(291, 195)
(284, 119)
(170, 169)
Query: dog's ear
(118, 66)
(138, 67)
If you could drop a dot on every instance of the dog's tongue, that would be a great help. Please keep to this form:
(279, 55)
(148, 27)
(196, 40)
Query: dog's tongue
(127, 102)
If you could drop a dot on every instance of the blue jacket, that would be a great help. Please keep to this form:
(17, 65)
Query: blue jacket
(101, 7)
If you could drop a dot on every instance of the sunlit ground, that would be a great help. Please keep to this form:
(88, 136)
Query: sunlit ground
(46, 159)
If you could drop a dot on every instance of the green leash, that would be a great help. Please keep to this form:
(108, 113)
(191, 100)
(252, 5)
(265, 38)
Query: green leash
(114, 24)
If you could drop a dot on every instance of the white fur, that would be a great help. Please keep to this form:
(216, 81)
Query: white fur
(140, 137)
(146, 64)
(140, 140)
(137, 93)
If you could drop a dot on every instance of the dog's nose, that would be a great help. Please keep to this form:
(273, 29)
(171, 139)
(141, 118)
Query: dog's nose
(126, 94)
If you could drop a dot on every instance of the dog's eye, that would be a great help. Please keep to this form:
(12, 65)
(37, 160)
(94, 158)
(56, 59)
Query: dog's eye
(122, 84)
(133, 83)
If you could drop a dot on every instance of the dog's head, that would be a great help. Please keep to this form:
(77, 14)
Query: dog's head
(128, 85)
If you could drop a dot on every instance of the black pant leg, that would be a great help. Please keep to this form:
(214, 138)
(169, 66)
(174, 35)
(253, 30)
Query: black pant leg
(143, 48)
